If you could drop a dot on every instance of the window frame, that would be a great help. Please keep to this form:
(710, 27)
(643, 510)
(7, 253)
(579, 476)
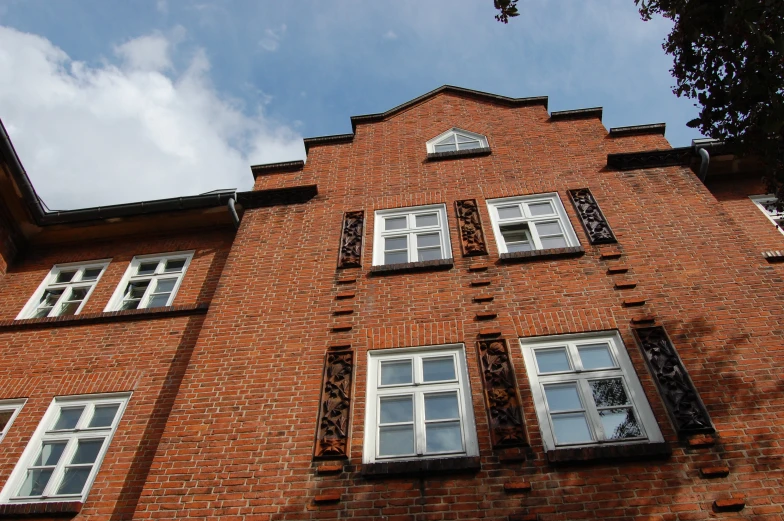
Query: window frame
(380, 234)
(624, 370)
(454, 131)
(375, 392)
(50, 282)
(45, 433)
(14, 405)
(559, 215)
(777, 218)
(116, 301)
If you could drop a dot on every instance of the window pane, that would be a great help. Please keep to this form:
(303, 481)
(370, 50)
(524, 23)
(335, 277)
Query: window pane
(443, 437)
(470, 145)
(104, 416)
(438, 369)
(553, 242)
(596, 356)
(165, 285)
(135, 290)
(619, 424)
(548, 229)
(445, 148)
(174, 265)
(91, 273)
(399, 257)
(78, 293)
(465, 139)
(50, 454)
(5, 417)
(86, 452)
(608, 393)
(552, 360)
(397, 372)
(68, 418)
(147, 268)
(396, 441)
(69, 308)
(429, 254)
(395, 223)
(544, 208)
(515, 232)
(427, 219)
(129, 304)
(441, 407)
(571, 428)
(74, 480)
(157, 301)
(395, 243)
(562, 397)
(512, 247)
(509, 212)
(397, 409)
(35, 482)
(428, 239)
(65, 276)
(50, 297)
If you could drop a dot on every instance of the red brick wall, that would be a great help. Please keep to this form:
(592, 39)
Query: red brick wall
(240, 438)
(733, 194)
(147, 356)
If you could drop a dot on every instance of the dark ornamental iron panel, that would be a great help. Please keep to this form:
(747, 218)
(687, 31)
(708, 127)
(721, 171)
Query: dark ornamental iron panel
(472, 239)
(591, 216)
(684, 406)
(503, 401)
(351, 240)
(333, 422)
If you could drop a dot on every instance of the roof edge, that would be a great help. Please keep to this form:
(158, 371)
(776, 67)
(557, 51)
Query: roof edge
(327, 140)
(588, 113)
(634, 130)
(277, 168)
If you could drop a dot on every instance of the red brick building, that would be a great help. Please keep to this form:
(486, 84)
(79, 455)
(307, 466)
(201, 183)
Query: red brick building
(467, 308)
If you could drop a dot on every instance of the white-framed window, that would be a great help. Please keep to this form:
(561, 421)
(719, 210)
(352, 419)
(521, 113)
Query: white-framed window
(587, 392)
(415, 234)
(9, 409)
(767, 205)
(456, 139)
(532, 222)
(151, 281)
(65, 290)
(63, 456)
(418, 405)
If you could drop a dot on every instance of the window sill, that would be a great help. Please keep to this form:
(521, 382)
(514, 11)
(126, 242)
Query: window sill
(438, 156)
(109, 316)
(602, 453)
(420, 467)
(552, 253)
(407, 267)
(49, 509)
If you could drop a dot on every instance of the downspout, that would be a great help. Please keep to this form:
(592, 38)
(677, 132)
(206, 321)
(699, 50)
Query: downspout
(233, 212)
(704, 164)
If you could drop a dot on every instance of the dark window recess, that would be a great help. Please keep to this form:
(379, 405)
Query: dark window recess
(407, 267)
(421, 467)
(551, 253)
(602, 453)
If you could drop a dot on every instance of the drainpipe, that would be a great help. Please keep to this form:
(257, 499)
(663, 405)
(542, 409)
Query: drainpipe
(704, 164)
(233, 212)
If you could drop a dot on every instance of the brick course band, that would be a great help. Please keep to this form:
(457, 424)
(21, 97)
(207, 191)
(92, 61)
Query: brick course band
(551, 253)
(457, 154)
(421, 467)
(609, 453)
(110, 316)
(51, 509)
(409, 267)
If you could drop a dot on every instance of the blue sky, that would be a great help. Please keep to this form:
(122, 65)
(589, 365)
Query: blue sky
(117, 101)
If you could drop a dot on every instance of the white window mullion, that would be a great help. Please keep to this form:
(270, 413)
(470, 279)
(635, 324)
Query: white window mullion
(419, 422)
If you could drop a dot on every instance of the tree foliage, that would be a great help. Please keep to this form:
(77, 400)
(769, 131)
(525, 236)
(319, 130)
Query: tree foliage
(729, 57)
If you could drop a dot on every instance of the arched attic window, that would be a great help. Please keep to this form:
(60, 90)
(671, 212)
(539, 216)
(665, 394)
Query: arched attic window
(454, 140)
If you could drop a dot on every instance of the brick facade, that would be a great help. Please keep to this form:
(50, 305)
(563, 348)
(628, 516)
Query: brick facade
(226, 401)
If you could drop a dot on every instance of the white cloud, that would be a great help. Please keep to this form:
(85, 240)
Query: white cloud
(390, 35)
(129, 129)
(271, 40)
(162, 6)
